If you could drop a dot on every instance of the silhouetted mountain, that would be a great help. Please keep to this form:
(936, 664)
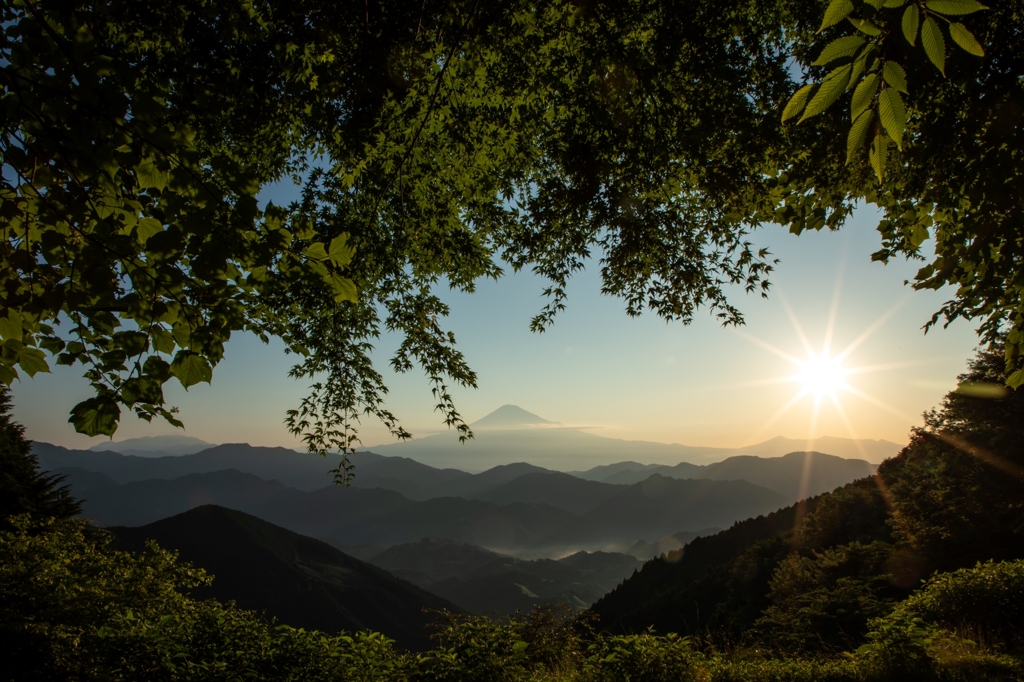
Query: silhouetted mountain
(605, 471)
(361, 516)
(297, 580)
(796, 475)
(509, 416)
(304, 471)
(571, 449)
(659, 506)
(346, 516)
(155, 446)
(482, 581)
(556, 489)
(475, 485)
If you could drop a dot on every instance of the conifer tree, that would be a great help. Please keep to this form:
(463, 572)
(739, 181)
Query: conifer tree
(23, 488)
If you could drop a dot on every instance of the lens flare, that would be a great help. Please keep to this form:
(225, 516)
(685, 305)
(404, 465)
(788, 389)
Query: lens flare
(821, 375)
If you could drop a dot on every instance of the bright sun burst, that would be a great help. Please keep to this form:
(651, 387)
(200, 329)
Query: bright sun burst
(822, 376)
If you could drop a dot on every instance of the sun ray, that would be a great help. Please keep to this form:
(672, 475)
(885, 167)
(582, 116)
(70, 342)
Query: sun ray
(778, 414)
(768, 347)
(877, 403)
(796, 323)
(866, 334)
(833, 312)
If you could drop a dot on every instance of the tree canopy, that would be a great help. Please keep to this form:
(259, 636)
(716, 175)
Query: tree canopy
(436, 144)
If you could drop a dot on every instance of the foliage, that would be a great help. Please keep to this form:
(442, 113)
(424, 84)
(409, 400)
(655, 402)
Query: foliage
(430, 140)
(435, 144)
(644, 657)
(869, 67)
(957, 489)
(824, 601)
(70, 608)
(23, 489)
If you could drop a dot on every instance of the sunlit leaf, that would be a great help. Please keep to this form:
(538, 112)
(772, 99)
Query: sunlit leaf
(344, 288)
(797, 102)
(865, 26)
(877, 154)
(863, 95)
(966, 40)
(96, 416)
(10, 326)
(892, 114)
(150, 176)
(911, 20)
(32, 360)
(191, 368)
(934, 45)
(895, 76)
(339, 251)
(859, 134)
(146, 228)
(316, 251)
(831, 88)
(846, 46)
(954, 6)
(837, 11)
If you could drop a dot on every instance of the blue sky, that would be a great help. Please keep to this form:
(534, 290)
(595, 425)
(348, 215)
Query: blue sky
(626, 378)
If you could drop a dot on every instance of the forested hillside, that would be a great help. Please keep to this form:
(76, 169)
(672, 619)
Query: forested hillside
(811, 577)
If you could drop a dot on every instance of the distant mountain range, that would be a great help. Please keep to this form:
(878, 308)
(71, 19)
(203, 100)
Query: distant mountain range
(648, 511)
(511, 434)
(297, 580)
(155, 446)
(482, 581)
(794, 475)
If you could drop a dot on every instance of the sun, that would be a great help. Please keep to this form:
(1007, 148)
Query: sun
(821, 375)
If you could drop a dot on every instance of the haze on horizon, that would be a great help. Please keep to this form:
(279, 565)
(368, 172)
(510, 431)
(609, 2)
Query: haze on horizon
(617, 377)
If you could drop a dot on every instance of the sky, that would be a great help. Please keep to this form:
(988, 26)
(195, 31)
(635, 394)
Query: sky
(632, 378)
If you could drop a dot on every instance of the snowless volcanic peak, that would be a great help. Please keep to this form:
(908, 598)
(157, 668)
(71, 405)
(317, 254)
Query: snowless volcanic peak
(510, 417)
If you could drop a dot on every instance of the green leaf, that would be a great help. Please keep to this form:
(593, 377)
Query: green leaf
(895, 76)
(966, 40)
(344, 288)
(10, 326)
(162, 340)
(877, 4)
(860, 64)
(934, 45)
(863, 95)
(146, 228)
(96, 416)
(339, 251)
(1016, 379)
(7, 374)
(32, 360)
(877, 154)
(893, 114)
(150, 176)
(316, 251)
(846, 46)
(831, 88)
(836, 12)
(191, 368)
(797, 102)
(865, 26)
(859, 133)
(911, 20)
(954, 6)
(892, 4)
